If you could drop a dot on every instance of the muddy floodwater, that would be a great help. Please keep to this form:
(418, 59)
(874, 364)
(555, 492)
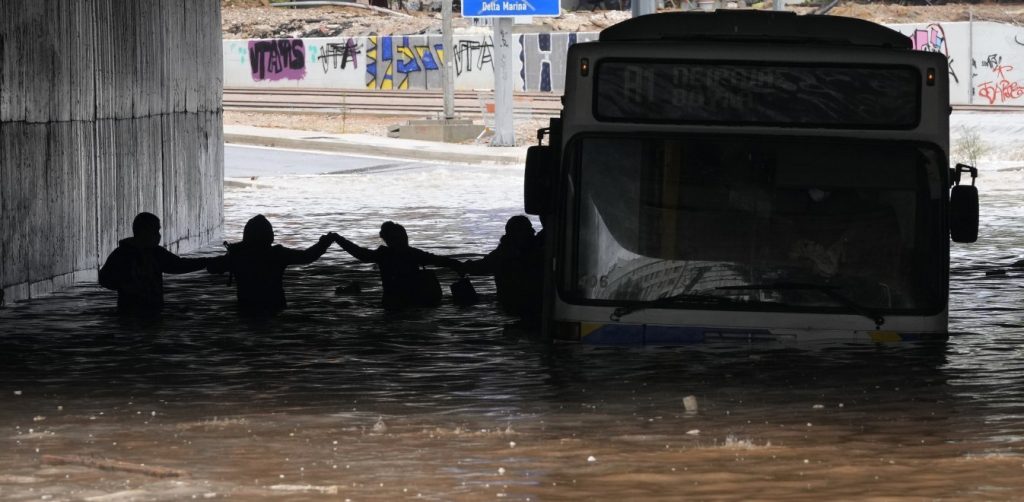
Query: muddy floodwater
(337, 400)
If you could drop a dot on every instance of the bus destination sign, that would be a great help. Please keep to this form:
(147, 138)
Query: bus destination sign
(755, 93)
(510, 8)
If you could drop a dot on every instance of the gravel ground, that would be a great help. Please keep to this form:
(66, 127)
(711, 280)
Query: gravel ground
(249, 19)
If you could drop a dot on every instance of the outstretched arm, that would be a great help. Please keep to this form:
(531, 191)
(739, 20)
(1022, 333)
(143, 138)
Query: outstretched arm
(425, 258)
(308, 255)
(218, 264)
(487, 265)
(358, 252)
(171, 263)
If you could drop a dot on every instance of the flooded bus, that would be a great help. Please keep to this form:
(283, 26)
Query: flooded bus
(745, 175)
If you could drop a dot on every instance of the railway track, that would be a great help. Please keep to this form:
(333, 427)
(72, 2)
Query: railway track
(366, 102)
(420, 102)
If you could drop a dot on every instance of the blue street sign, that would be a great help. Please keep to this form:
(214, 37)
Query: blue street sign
(510, 8)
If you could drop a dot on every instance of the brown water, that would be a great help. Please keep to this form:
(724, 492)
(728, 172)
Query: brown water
(335, 400)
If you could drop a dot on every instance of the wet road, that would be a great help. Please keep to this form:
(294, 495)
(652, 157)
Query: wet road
(253, 161)
(336, 400)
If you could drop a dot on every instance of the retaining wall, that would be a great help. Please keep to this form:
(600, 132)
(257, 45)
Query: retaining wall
(394, 62)
(107, 108)
(986, 61)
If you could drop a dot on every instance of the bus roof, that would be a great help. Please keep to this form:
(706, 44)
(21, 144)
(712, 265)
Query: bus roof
(755, 26)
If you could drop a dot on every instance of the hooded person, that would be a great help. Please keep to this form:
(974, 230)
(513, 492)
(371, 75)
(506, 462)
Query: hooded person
(403, 279)
(257, 265)
(516, 267)
(135, 269)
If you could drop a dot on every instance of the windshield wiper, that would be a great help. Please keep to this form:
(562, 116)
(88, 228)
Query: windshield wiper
(668, 300)
(829, 291)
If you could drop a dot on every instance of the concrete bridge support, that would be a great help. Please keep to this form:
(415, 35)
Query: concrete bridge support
(107, 108)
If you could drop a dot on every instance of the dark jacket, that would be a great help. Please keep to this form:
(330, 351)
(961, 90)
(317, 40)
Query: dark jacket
(259, 272)
(517, 275)
(136, 273)
(404, 282)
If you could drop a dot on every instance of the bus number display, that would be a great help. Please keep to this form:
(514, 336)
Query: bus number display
(794, 96)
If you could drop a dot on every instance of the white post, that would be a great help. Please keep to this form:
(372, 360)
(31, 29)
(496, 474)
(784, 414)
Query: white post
(642, 7)
(504, 69)
(970, 55)
(779, 4)
(447, 73)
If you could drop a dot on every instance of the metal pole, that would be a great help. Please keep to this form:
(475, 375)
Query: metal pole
(642, 7)
(504, 130)
(779, 4)
(970, 55)
(448, 75)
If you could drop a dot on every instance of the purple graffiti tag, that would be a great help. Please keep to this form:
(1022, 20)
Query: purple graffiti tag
(278, 59)
(933, 39)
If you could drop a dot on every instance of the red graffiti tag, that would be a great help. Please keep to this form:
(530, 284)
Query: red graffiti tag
(1002, 89)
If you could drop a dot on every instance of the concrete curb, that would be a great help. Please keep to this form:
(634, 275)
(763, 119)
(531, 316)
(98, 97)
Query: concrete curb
(412, 152)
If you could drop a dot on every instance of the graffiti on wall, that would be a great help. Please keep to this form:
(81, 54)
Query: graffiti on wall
(543, 59)
(539, 59)
(1001, 88)
(277, 59)
(415, 61)
(473, 55)
(403, 62)
(340, 55)
(933, 39)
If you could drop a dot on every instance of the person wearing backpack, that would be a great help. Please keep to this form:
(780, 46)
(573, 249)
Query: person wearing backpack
(136, 268)
(404, 280)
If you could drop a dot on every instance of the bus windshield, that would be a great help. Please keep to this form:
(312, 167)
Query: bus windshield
(740, 217)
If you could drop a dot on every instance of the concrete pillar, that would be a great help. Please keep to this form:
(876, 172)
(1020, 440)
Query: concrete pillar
(107, 108)
(504, 71)
(642, 7)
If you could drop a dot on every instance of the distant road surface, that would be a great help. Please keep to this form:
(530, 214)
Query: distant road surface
(256, 162)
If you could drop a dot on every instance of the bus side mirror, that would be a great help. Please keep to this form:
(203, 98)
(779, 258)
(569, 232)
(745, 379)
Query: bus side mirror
(539, 180)
(963, 207)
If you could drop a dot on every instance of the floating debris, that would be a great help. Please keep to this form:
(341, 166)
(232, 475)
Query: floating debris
(690, 404)
(380, 427)
(591, 459)
(106, 464)
(693, 432)
(326, 490)
(12, 479)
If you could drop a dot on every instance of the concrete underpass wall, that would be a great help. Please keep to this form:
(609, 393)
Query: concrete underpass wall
(107, 108)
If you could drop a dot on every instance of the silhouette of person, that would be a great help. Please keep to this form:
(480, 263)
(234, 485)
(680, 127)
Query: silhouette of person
(516, 267)
(258, 266)
(135, 269)
(405, 282)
